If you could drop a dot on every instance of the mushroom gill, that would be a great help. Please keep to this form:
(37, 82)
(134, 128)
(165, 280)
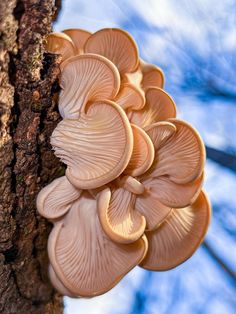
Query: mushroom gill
(86, 78)
(117, 46)
(85, 260)
(178, 236)
(96, 147)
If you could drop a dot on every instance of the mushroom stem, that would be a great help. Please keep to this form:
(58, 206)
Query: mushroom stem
(131, 184)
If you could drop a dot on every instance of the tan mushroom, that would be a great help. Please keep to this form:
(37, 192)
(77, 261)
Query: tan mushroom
(53, 205)
(143, 153)
(84, 79)
(119, 220)
(179, 236)
(79, 37)
(117, 46)
(159, 106)
(57, 284)
(62, 44)
(130, 97)
(152, 76)
(182, 157)
(96, 147)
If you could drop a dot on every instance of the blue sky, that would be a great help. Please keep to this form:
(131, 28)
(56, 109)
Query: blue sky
(194, 42)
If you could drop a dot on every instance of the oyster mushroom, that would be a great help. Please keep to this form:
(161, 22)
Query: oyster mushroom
(159, 106)
(179, 236)
(84, 79)
(120, 48)
(96, 147)
(117, 46)
(134, 172)
(143, 153)
(61, 44)
(57, 206)
(79, 37)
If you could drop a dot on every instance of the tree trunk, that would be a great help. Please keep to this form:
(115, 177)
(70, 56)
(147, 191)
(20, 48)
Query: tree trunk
(28, 114)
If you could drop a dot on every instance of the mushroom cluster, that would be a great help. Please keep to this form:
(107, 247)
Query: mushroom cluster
(132, 191)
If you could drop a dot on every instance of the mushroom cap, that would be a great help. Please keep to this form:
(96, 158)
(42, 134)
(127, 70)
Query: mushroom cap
(84, 79)
(78, 36)
(159, 106)
(96, 147)
(54, 200)
(130, 97)
(61, 44)
(119, 220)
(85, 260)
(117, 46)
(182, 156)
(152, 75)
(143, 153)
(178, 236)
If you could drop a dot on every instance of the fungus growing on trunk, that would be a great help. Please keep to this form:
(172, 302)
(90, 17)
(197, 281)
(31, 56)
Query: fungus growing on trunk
(132, 193)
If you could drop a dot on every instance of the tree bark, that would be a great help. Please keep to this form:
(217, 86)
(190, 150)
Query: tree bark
(28, 114)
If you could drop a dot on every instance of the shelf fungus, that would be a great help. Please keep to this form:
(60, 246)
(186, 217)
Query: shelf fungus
(132, 191)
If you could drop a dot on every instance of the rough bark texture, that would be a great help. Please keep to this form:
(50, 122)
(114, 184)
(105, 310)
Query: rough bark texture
(28, 83)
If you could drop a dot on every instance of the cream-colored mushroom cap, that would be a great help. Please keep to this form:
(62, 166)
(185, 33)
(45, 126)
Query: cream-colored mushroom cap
(79, 37)
(159, 106)
(96, 147)
(117, 46)
(84, 79)
(119, 219)
(61, 44)
(179, 236)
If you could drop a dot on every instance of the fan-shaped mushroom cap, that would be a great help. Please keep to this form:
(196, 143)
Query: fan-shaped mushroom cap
(84, 79)
(159, 106)
(61, 44)
(159, 133)
(119, 220)
(97, 147)
(55, 199)
(79, 37)
(117, 46)
(143, 153)
(152, 75)
(85, 260)
(182, 156)
(130, 97)
(179, 236)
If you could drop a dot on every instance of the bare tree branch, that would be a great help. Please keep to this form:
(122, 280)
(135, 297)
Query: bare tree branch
(223, 158)
(219, 260)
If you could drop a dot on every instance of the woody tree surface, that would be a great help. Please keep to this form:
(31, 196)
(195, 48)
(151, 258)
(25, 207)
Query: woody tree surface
(28, 83)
